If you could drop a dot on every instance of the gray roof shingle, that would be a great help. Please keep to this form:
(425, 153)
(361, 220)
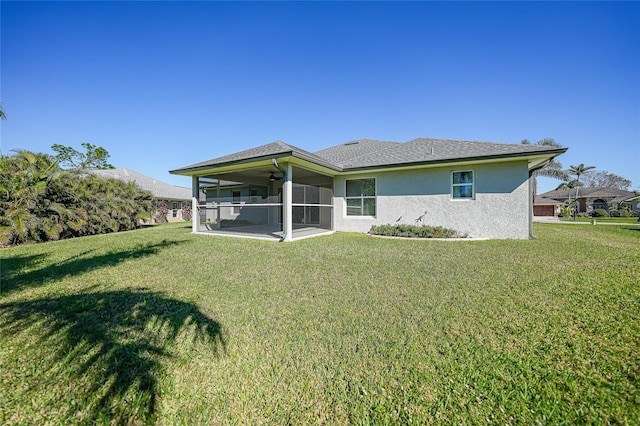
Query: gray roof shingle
(158, 189)
(367, 153)
(274, 149)
(341, 154)
(425, 150)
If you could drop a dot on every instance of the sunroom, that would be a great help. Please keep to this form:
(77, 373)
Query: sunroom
(273, 192)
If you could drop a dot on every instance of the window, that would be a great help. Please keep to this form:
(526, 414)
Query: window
(600, 204)
(462, 185)
(235, 199)
(175, 209)
(253, 196)
(361, 197)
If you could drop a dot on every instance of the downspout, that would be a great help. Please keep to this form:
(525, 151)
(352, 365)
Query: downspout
(284, 178)
(531, 235)
(277, 166)
(531, 195)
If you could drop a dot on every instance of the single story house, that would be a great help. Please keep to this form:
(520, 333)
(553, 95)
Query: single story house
(175, 197)
(589, 199)
(544, 206)
(281, 191)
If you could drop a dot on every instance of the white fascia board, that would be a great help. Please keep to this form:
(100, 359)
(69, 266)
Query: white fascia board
(531, 160)
(261, 163)
(216, 170)
(309, 165)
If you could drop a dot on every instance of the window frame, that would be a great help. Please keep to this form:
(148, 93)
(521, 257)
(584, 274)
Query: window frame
(253, 196)
(236, 201)
(458, 185)
(373, 197)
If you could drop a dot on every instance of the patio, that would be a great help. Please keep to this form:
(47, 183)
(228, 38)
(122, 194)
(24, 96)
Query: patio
(267, 232)
(258, 202)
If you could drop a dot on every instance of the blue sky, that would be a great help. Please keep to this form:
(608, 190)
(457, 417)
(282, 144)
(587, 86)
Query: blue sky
(162, 85)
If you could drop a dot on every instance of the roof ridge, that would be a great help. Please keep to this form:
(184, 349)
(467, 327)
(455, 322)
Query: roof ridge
(501, 144)
(377, 151)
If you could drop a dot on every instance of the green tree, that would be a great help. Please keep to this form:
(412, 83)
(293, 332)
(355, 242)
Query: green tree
(552, 169)
(94, 157)
(568, 209)
(39, 201)
(578, 171)
(24, 182)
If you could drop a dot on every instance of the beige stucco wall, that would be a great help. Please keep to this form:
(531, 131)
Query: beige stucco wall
(500, 208)
(169, 216)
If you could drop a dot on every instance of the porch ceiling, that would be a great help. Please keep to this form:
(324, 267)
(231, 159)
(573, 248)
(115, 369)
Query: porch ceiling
(260, 176)
(257, 176)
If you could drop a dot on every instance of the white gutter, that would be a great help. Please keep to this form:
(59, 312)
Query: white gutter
(284, 204)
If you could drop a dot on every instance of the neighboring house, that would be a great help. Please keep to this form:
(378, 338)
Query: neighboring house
(280, 191)
(175, 197)
(589, 199)
(544, 206)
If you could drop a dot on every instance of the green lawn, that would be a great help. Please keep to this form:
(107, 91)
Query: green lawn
(633, 220)
(162, 326)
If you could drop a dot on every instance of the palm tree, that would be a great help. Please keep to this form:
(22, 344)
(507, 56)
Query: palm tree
(41, 202)
(23, 188)
(568, 186)
(553, 169)
(578, 171)
(3, 116)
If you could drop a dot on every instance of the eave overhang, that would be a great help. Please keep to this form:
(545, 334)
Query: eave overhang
(535, 160)
(293, 157)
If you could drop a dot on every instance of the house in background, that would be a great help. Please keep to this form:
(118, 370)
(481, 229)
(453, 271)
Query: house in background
(281, 191)
(175, 197)
(589, 199)
(544, 206)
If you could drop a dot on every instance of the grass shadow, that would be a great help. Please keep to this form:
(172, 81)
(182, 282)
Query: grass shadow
(13, 277)
(112, 344)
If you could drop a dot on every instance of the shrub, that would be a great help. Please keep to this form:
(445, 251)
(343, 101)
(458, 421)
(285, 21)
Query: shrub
(186, 212)
(162, 210)
(41, 202)
(624, 213)
(600, 213)
(413, 231)
(619, 213)
(583, 214)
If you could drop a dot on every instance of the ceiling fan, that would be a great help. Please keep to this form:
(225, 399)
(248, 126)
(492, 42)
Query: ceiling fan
(273, 177)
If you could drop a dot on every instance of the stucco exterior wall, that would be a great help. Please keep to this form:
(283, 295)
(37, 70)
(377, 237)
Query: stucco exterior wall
(500, 208)
(170, 213)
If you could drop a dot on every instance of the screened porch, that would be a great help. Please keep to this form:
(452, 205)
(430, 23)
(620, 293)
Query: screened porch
(257, 202)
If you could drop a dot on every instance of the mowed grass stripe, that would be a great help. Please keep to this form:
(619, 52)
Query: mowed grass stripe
(162, 326)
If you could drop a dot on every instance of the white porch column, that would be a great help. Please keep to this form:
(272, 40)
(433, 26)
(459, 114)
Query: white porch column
(195, 201)
(287, 200)
(218, 223)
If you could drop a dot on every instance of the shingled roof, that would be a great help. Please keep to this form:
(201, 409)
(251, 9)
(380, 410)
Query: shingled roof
(344, 153)
(423, 150)
(270, 150)
(614, 195)
(158, 189)
(366, 153)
